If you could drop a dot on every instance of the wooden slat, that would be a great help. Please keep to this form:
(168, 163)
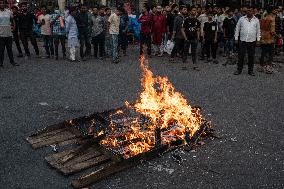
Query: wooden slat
(30, 139)
(84, 165)
(115, 167)
(54, 140)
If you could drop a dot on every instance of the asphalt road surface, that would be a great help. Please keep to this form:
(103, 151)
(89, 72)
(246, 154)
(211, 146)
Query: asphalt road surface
(248, 112)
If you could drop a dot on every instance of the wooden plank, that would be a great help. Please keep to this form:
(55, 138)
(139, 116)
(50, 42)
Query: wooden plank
(54, 140)
(46, 136)
(115, 167)
(51, 128)
(84, 165)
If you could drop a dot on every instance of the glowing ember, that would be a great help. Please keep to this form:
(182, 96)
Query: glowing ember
(160, 108)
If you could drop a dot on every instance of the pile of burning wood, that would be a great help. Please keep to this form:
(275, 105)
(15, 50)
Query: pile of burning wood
(160, 121)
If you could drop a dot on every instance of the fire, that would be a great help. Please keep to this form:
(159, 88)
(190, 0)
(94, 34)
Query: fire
(164, 108)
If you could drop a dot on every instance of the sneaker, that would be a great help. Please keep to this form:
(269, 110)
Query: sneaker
(237, 72)
(20, 56)
(56, 57)
(215, 62)
(45, 57)
(208, 60)
(196, 68)
(251, 73)
(84, 59)
(15, 64)
(268, 70)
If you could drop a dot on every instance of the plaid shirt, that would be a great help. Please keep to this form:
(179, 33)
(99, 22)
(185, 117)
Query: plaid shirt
(56, 28)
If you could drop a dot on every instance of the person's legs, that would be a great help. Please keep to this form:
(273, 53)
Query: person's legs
(51, 47)
(263, 54)
(101, 45)
(34, 43)
(142, 42)
(88, 45)
(24, 39)
(17, 42)
(82, 44)
(95, 46)
(270, 53)
(251, 55)
(193, 50)
(46, 45)
(208, 49)
(62, 41)
(56, 44)
(242, 53)
(186, 49)
(73, 53)
(114, 47)
(9, 43)
(214, 47)
(2, 49)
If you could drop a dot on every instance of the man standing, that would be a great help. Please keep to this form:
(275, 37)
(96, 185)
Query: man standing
(6, 40)
(107, 35)
(177, 35)
(210, 30)
(58, 31)
(229, 32)
(26, 21)
(83, 23)
(114, 21)
(15, 10)
(146, 20)
(248, 30)
(267, 26)
(123, 29)
(191, 34)
(72, 33)
(45, 22)
(159, 30)
(98, 32)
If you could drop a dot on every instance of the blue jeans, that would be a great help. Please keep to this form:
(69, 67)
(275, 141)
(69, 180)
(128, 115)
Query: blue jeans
(114, 46)
(48, 45)
(229, 45)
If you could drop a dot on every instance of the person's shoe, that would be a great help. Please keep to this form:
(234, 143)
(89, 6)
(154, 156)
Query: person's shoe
(268, 70)
(45, 57)
(208, 60)
(161, 54)
(196, 68)
(202, 58)
(20, 56)
(56, 57)
(215, 62)
(15, 64)
(237, 72)
(1, 66)
(84, 59)
(251, 73)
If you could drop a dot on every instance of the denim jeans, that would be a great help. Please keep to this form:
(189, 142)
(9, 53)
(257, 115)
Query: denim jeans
(48, 45)
(114, 46)
(229, 45)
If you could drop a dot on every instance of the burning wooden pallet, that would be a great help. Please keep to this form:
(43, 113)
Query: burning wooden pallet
(89, 152)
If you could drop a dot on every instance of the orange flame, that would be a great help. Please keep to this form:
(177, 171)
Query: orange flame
(165, 108)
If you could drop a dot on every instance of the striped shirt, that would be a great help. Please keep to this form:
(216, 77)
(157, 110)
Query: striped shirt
(5, 23)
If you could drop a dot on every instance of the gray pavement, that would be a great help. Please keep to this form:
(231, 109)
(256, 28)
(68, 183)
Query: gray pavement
(247, 111)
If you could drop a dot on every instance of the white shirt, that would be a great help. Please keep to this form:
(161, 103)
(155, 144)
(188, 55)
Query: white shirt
(249, 31)
(114, 22)
(45, 28)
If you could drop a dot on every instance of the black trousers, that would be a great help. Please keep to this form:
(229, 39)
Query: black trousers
(211, 48)
(6, 42)
(178, 47)
(266, 51)
(17, 42)
(85, 42)
(24, 38)
(59, 39)
(99, 45)
(187, 45)
(123, 41)
(249, 48)
(145, 39)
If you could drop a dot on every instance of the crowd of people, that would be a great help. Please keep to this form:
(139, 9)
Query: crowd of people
(102, 32)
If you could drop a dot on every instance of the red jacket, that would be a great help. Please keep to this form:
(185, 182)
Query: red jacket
(146, 23)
